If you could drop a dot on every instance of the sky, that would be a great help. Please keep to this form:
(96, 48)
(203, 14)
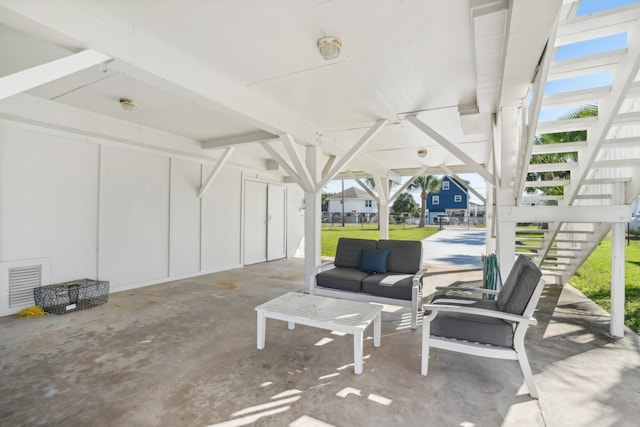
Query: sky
(616, 41)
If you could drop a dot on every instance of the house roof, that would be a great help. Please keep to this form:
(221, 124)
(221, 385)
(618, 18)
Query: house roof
(351, 193)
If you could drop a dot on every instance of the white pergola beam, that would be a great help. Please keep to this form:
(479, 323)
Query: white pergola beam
(452, 148)
(408, 183)
(327, 166)
(565, 147)
(353, 151)
(366, 188)
(223, 159)
(464, 183)
(583, 65)
(283, 164)
(239, 140)
(25, 80)
(298, 163)
(610, 214)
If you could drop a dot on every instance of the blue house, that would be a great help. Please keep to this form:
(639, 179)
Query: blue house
(451, 200)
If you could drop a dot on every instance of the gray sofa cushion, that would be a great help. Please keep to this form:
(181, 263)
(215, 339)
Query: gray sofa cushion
(346, 279)
(405, 256)
(486, 330)
(397, 286)
(349, 251)
(519, 286)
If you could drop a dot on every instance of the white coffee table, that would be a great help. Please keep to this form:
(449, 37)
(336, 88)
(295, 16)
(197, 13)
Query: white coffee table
(333, 314)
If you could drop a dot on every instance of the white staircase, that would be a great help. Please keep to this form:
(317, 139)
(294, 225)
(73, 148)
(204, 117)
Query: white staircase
(607, 170)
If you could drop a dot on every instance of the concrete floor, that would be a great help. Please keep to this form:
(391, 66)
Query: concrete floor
(184, 354)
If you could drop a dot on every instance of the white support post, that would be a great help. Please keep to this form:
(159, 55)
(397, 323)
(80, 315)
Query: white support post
(617, 268)
(22, 81)
(617, 279)
(382, 184)
(215, 171)
(507, 147)
(312, 218)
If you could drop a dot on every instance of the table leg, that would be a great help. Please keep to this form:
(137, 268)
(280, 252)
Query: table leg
(262, 329)
(291, 325)
(357, 350)
(377, 321)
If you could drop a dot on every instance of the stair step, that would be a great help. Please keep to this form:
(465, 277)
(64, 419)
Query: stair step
(593, 196)
(530, 231)
(575, 232)
(551, 273)
(528, 247)
(526, 253)
(556, 262)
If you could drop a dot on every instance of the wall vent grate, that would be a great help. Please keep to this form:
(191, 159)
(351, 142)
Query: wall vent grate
(22, 280)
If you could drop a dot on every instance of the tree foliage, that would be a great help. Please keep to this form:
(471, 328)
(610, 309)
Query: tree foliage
(425, 184)
(554, 158)
(404, 204)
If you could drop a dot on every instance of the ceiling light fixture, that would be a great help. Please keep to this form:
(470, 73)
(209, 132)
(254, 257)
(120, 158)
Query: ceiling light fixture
(329, 47)
(422, 152)
(128, 105)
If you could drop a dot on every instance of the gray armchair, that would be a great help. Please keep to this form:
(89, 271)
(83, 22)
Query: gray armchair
(484, 327)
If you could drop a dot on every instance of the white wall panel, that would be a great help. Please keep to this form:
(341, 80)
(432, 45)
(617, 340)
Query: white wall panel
(185, 217)
(221, 220)
(134, 217)
(49, 201)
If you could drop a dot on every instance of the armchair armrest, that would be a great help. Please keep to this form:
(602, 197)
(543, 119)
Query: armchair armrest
(323, 266)
(434, 309)
(417, 278)
(467, 289)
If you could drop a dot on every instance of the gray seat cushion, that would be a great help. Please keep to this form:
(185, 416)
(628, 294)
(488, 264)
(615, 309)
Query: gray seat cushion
(346, 279)
(397, 286)
(405, 256)
(473, 328)
(349, 251)
(519, 286)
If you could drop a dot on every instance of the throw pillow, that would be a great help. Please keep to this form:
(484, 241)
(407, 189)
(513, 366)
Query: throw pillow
(374, 261)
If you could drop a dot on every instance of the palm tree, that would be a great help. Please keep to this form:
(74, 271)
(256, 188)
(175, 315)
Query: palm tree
(425, 184)
(559, 138)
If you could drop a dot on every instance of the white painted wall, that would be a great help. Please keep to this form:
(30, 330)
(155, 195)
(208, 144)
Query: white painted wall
(49, 200)
(102, 209)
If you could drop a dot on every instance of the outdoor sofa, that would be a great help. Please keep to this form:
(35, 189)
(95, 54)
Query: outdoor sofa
(381, 271)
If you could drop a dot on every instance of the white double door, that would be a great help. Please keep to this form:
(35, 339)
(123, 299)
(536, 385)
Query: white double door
(265, 221)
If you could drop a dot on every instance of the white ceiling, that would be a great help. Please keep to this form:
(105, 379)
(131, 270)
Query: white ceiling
(207, 70)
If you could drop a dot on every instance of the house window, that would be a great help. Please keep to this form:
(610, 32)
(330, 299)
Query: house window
(457, 198)
(368, 203)
(445, 185)
(436, 200)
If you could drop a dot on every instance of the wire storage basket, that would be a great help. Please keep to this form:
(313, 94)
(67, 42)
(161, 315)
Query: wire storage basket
(71, 296)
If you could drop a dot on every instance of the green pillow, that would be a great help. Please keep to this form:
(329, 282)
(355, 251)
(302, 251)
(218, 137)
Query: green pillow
(374, 261)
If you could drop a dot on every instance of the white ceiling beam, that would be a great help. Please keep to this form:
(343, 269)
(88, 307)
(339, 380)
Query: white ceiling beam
(248, 138)
(409, 182)
(167, 66)
(616, 213)
(366, 188)
(599, 24)
(357, 147)
(25, 80)
(464, 183)
(223, 159)
(452, 148)
(283, 164)
(327, 166)
(299, 165)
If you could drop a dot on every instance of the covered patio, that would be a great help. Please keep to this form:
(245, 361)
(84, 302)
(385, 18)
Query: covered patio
(184, 353)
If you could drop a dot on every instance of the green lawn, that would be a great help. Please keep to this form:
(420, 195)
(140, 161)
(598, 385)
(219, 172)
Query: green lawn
(331, 234)
(594, 280)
